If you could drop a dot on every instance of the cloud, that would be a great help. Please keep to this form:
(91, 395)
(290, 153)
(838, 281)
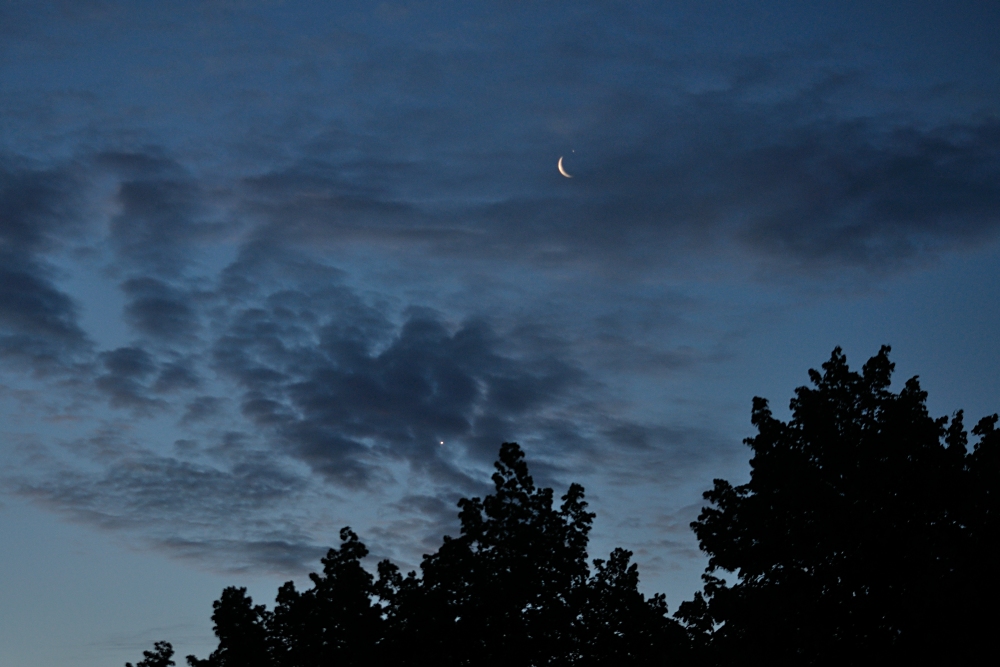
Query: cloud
(159, 310)
(202, 408)
(239, 556)
(162, 220)
(158, 224)
(39, 212)
(176, 376)
(132, 375)
(786, 184)
(335, 381)
(353, 384)
(852, 195)
(226, 516)
(123, 382)
(39, 321)
(291, 369)
(337, 252)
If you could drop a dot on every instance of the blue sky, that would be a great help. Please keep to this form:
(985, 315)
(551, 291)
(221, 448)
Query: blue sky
(258, 260)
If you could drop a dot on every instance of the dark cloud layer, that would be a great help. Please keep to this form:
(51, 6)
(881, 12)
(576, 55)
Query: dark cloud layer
(336, 380)
(39, 213)
(160, 310)
(874, 200)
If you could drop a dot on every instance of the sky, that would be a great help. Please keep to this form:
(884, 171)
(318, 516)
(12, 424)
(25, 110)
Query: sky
(268, 269)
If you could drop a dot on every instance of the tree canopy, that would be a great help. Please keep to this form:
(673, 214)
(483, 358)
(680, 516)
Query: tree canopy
(160, 656)
(514, 587)
(862, 534)
(865, 533)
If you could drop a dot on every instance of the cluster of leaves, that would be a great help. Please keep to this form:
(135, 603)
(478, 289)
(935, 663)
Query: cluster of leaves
(513, 588)
(864, 534)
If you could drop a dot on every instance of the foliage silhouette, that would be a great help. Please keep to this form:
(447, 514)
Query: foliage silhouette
(242, 631)
(620, 626)
(865, 534)
(503, 589)
(334, 622)
(513, 588)
(160, 656)
(861, 536)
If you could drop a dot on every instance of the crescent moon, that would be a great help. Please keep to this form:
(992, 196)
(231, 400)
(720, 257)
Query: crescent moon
(561, 170)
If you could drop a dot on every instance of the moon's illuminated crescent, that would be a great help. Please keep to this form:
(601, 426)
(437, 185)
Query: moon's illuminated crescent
(561, 170)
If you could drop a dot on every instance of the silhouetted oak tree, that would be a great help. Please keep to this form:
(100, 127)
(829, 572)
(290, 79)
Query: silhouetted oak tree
(866, 533)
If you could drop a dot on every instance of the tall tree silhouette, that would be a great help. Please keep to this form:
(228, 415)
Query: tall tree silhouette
(861, 534)
(513, 588)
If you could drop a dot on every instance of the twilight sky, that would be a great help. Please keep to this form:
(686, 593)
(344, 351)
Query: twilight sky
(272, 268)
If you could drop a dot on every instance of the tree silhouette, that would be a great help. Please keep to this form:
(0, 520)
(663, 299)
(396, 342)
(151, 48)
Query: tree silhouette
(505, 589)
(866, 533)
(334, 622)
(619, 626)
(160, 656)
(861, 534)
(513, 588)
(242, 631)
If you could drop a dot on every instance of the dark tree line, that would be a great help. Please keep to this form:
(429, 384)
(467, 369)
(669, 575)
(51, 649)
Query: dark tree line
(866, 533)
(513, 588)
